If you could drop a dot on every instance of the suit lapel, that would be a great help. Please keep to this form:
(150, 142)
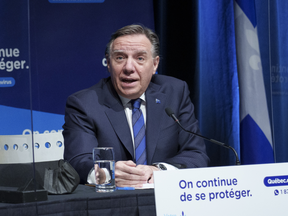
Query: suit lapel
(116, 115)
(155, 109)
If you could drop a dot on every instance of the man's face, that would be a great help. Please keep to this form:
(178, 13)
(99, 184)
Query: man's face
(131, 65)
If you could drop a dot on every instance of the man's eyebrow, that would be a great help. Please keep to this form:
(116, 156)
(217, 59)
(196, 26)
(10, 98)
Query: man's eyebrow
(135, 51)
(116, 51)
(142, 52)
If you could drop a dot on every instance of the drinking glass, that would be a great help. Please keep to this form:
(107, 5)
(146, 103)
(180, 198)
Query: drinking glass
(104, 165)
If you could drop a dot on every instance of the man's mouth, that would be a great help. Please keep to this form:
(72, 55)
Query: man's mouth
(128, 80)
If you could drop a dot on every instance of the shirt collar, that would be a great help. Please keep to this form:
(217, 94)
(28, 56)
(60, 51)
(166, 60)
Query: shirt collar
(125, 101)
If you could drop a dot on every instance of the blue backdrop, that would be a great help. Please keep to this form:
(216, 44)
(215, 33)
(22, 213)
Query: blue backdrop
(273, 33)
(63, 45)
(58, 49)
(279, 74)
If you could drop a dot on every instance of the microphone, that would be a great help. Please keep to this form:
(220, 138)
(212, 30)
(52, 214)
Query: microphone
(170, 113)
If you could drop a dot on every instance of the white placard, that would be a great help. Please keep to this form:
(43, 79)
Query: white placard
(233, 190)
(18, 148)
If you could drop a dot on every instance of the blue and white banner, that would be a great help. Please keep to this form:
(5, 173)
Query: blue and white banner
(47, 52)
(255, 128)
(52, 50)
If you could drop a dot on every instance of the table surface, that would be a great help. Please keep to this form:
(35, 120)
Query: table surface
(85, 201)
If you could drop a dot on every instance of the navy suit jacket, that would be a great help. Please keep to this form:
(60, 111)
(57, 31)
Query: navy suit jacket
(96, 117)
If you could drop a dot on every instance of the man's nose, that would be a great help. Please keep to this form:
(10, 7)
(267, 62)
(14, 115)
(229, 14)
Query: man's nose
(129, 65)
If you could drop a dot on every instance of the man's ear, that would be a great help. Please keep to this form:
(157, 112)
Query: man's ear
(108, 63)
(156, 63)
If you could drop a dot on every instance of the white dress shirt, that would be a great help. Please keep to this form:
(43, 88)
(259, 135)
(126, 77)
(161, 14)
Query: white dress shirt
(128, 111)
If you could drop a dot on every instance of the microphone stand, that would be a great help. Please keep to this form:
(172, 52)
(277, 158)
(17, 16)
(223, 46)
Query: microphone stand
(171, 114)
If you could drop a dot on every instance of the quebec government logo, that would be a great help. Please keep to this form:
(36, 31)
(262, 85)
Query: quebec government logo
(272, 181)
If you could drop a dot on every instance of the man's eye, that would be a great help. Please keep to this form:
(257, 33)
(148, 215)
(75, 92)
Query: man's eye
(140, 59)
(119, 57)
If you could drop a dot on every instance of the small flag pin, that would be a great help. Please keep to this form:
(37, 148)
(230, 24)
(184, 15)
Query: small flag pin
(158, 101)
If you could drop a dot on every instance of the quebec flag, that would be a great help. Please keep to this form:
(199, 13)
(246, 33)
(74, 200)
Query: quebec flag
(255, 129)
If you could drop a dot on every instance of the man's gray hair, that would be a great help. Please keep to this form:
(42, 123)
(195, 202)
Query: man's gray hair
(135, 29)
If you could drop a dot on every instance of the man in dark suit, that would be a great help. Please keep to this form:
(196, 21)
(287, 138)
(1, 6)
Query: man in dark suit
(102, 114)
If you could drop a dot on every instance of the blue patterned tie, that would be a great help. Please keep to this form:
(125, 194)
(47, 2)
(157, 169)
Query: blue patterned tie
(139, 132)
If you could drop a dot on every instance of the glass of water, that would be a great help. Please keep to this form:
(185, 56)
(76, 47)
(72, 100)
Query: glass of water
(104, 165)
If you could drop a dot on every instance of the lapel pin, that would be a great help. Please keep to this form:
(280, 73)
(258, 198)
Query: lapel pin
(158, 101)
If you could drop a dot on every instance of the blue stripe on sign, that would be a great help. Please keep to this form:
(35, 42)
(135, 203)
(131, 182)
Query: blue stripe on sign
(248, 7)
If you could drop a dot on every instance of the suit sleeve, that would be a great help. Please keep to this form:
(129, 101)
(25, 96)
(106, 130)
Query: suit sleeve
(79, 137)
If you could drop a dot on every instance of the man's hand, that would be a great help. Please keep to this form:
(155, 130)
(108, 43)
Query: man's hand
(127, 174)
(100, 175)
(148, 172)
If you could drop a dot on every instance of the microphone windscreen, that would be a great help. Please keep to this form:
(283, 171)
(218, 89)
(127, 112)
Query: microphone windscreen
(169, 111)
